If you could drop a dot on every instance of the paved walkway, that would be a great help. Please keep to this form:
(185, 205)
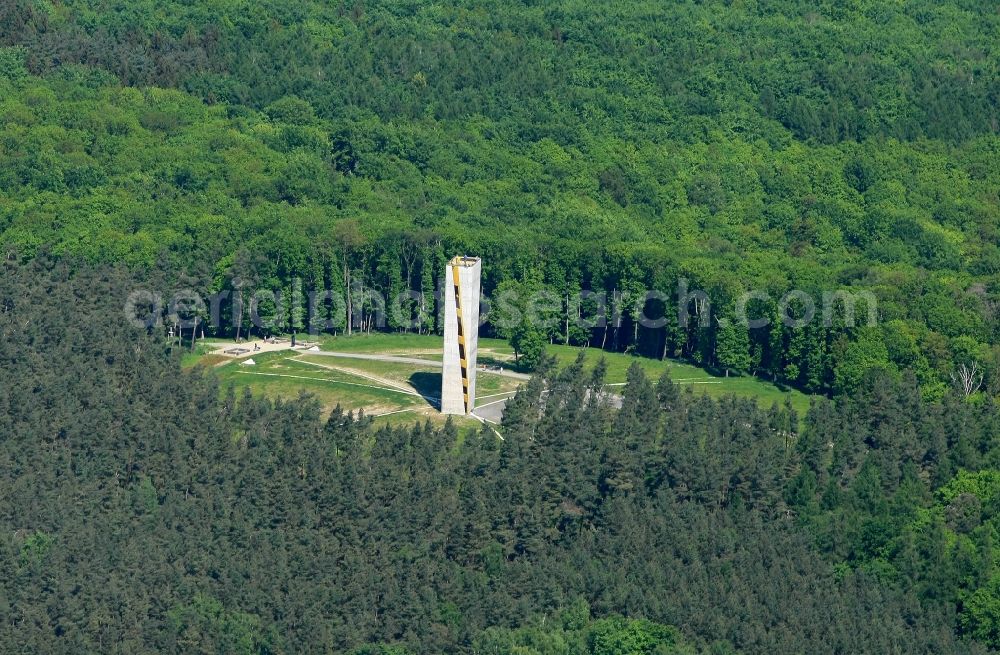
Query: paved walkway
(491, 410)
(261, 347)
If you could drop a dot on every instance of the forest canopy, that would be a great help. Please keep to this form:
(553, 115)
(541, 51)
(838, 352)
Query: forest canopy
(144, 509)
(729, 146)
(735, 145)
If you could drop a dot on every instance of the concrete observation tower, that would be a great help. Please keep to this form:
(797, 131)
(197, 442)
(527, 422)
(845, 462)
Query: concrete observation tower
(461, 335)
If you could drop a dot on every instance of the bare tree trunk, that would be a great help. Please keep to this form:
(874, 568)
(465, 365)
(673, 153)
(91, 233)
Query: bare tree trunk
(968, 379)
(616, 314)
(361, 293)
(567, 320)
(238, 318)
(347, 287)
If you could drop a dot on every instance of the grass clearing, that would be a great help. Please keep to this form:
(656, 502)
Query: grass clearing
(702, 381)
(347, 382)
(277, 375)
(197, 357)
(425, 379)
(411, 345)
(376, 386)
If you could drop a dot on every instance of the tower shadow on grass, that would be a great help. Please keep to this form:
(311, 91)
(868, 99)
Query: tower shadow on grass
(428, 385)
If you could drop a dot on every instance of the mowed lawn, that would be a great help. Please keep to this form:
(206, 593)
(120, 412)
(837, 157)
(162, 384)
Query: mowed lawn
(393, 393)
(425, 379)
(380, 343)
(404, 392)
(499, 351)
(747, 386)
(278, 375)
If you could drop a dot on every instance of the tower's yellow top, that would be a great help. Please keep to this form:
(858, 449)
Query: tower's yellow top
(462, 260)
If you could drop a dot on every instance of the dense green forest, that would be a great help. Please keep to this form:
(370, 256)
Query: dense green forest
(737, 145)
(729, 146)
(143, 509)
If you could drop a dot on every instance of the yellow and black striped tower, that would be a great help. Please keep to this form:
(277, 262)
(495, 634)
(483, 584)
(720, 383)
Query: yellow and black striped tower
(461, 335)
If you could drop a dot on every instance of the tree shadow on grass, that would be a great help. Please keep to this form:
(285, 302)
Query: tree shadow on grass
(428, 385)
(508, 364)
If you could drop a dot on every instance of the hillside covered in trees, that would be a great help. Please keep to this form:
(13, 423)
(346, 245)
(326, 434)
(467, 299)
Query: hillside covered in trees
(737, 145)
(731, 146)
(143, 509)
